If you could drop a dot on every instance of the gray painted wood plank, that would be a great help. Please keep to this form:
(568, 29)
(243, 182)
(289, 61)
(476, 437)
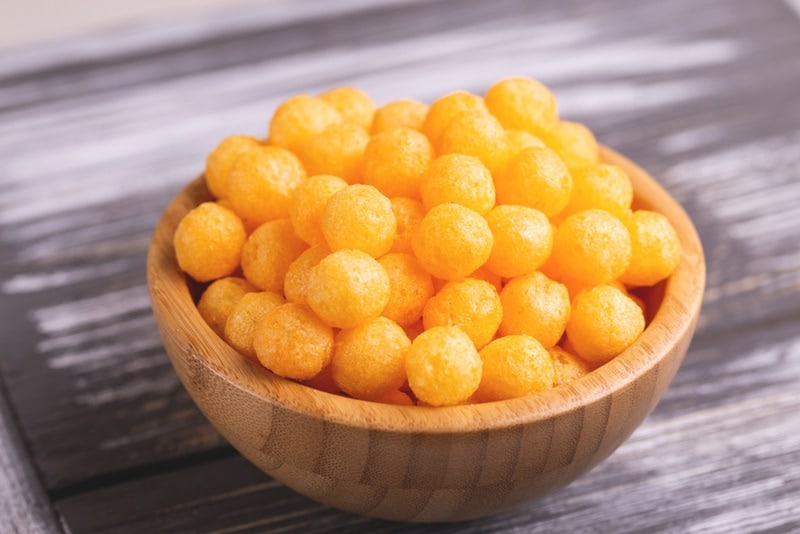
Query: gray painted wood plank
(75, 225)
(721, 453)
(93, 145)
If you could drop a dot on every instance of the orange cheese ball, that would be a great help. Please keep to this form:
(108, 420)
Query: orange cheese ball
(656, 249)
(219, 298)
(408, 212)
(482, 273)
(359, 217)
(536, 178)
(208, 242)
(348, 288)
(404, 113)
(602, 186)
(243, 319)
(292, 342)
(567, 366)
(447, 108)
(521, 103)
(354, 105)
(603, 323)
(443, 366)
(514, 366)
(412, 331)
(574, 143)
(519, 140)
(268, 253)
(220, 162)
(395, 160)
(460, 179)
(471, 305)
(411, 287)
(516, 142)
(452, 241)
(478, 134)
(535, 305)
(339, 151)
(307, 205)
(523, 240)
(295, 283)
(592, 247)
(370, 359)
(261, 181)
(299, 119)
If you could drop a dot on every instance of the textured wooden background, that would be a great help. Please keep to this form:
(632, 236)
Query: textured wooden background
(98, 132)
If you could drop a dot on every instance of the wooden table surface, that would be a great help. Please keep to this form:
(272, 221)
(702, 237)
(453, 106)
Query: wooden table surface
(98, 132)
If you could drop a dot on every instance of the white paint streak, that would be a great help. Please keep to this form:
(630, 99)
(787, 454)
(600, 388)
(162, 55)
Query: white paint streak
(33, 282)
(102, 308)
(691, 139)
(130, 390)
(103, 354)
(795, 5)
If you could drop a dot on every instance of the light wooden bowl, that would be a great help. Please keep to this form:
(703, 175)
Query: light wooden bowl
(427, 464)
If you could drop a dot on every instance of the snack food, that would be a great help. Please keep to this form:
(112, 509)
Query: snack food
(373, 252)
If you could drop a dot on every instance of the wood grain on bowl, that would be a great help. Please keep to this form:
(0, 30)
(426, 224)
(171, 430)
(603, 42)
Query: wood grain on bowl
(426, 464)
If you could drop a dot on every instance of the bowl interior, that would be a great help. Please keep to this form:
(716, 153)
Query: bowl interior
(674, 307)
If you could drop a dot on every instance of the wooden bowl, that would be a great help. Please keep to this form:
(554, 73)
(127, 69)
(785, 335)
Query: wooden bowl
(427, 464)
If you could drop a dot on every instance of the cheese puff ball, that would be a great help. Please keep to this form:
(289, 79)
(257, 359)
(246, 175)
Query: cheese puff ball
(404, 113)
(514, 366)
(536, 178)
(219, 298)
(208, 242)
(413, 330)
(472, 305)
(519, 140)
(370, 359)
(299, 119)
(295, 283)
(567, 366)
(452, 241)
(602, 186)
(307, 204)
(516, 142)
(574, 143)
(396, 397)
(339, 151)
(603, 323)
(354, 105)
(268, 253)
(460, 179)
(592, 247)
(395, 160)
(443, 366)
(220, 162)
(292, 342)
(245, 315)
(523, 240)
(261, 181)
(521, 103)
(359, 217)
(447, 108)
(656, 249)
(411, 287)
(482, 273)
(347, 288)
(535, 305)
(408, 212)
(478, 134)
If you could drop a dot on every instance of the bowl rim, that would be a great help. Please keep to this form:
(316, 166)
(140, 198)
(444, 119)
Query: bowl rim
(672, 323)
